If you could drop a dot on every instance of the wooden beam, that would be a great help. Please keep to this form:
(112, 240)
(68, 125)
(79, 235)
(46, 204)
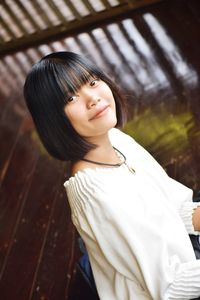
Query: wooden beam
(73, 9)
(90, 7)
(57, 11)
(106, 4)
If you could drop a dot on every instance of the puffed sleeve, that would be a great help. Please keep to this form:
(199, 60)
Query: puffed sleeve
(184, 204)
(135, 247)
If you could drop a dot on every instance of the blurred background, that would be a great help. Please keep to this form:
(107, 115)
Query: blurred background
(151, 48)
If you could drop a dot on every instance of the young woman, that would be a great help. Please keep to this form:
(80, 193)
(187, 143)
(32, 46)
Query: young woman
(133, 218)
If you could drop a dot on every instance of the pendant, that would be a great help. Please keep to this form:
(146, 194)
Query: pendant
(130, 169)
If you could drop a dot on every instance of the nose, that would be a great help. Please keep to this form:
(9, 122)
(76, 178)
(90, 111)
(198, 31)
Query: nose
(92, 101)
(91, 98)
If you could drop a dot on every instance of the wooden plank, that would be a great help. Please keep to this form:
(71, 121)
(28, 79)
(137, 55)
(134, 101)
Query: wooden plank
(84, 49)
(4, 92)
(1, 38)
(47, 250)
(14, 68)
(28, 237)
(194, 7)
(121, 66)
(89, 48)
(8, 85)
(187, 21)
(101, 52)
(9, 71)
(146, 61)
(125, 65)
(31, 60)
(59, 253)
(185, 95)
(11, 119)
(33, 54)
(13, 191)
(148, 35)
(183, 20)
(23, 64)
(8, 138)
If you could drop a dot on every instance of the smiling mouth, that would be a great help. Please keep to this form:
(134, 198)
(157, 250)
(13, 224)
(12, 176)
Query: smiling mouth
(100, 113)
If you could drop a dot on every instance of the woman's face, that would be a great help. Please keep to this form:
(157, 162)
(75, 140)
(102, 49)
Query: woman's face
(91, 111)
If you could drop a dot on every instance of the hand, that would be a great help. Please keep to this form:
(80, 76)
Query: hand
(196, 219)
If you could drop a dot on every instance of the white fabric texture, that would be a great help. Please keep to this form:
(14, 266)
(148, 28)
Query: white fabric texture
(136, 227)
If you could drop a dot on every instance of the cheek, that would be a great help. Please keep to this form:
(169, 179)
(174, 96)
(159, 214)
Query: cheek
(71, 114)
(75, 118)
(109, 94)
(107, 90)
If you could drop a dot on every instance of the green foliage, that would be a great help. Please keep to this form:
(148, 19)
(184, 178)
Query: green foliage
(164, 134)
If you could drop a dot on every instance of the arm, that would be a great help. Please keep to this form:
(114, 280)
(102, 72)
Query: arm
(196, 219)
(188, 210)
(141, 250)
(181, 196)
(138, 252)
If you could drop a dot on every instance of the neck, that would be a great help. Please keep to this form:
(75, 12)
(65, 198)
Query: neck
(104, 151)
(121, 161)
(122, 156)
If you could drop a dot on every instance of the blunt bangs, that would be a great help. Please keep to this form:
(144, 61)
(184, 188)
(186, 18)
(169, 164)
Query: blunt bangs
(47, 88)
(69, 74)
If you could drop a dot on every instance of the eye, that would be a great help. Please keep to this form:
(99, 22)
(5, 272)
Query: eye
(94, 82)
(71, 99)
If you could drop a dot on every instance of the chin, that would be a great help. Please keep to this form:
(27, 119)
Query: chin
(111, 125)
(114, 123)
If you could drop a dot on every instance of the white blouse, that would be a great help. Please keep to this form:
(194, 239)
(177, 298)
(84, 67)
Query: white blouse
(135, 227)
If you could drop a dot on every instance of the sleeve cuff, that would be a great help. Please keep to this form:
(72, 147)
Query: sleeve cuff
(186, 213)
(186, 284)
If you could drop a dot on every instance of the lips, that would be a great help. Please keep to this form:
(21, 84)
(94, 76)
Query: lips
(100, 112)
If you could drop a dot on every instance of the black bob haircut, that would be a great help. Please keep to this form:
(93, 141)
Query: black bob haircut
(46, 91)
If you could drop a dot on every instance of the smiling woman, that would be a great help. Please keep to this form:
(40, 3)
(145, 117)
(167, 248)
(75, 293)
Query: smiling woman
(52, 89)
(76, 108)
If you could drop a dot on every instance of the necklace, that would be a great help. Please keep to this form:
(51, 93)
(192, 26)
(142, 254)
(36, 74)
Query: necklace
(121, 156)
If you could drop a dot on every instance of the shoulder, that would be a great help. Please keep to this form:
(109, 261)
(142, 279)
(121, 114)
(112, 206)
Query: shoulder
(118, 134)
(115, 132)
(132, 149)
(78, 166)
(91, 188)
(93, 182)
(119, 138)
